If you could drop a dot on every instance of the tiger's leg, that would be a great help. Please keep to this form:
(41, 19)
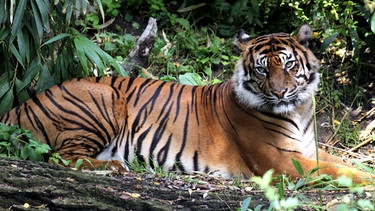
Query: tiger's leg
(332, 165)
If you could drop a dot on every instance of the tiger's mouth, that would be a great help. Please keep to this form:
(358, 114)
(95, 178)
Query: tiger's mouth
(282, 105)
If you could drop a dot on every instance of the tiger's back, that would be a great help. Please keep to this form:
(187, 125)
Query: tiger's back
(258, 120)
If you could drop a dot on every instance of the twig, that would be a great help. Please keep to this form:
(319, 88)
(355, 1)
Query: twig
(370, 139)
(353, 154)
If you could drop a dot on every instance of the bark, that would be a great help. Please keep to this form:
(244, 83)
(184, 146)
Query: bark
(50, 187)
(138, 56)
(44, 186)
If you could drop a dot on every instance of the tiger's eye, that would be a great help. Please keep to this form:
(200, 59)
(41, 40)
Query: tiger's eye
(289, 64)
(261, 70)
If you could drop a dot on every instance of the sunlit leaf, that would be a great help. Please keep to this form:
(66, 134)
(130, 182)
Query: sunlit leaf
(191, 79)
(298, 167)
(246, 204)
(372, 22)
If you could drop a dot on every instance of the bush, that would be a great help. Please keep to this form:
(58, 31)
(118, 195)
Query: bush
(39, 41)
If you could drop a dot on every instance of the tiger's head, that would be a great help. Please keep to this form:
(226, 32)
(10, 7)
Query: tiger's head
(277, 72)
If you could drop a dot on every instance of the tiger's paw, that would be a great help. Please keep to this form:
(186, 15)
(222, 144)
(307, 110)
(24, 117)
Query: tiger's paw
(87, 163)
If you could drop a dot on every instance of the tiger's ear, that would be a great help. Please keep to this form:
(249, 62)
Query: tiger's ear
(304, 34)
(242, 39)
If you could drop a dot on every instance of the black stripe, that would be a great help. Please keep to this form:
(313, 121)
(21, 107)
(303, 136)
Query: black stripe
(194, 103)
(103, 110)
(184, 139)
(178, 102)
(140, 140)
(166, 102)
(279, 132)
(275, 116)
(282, 149)
(113, 81)
(268, 122)
(140, 90)
(160, 130)
(195, 161)
(39, 124)
(130, 84)
(126, 151)
(83, 107)
(163, 152)
(119, 86)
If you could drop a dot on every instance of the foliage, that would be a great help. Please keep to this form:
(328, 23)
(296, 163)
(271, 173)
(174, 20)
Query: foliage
(116, 45)
(298, 199)
(57, 159)
(19, 143)
(206, 57)
(39, 41)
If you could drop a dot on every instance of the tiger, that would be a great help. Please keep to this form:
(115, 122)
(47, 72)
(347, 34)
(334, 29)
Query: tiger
(260, 119)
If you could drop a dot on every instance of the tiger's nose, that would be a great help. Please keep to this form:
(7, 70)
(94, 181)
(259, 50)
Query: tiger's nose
(280, 93)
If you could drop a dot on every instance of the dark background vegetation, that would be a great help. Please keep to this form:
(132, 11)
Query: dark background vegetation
(45, 42)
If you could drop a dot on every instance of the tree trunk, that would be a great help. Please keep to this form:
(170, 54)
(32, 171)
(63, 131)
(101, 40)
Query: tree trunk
(51, 187)
(27, 185)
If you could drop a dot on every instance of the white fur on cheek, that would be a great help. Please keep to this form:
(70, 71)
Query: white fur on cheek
(245, 97)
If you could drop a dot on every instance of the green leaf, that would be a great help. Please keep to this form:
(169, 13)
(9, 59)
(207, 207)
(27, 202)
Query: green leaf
(4, 87)
(7, 102)
(327, 42)
(246, 204)
(298, 167)
(16, 54)
(78, 163)
(45, 80)
(18, 18)
(255, 6)
(31, 71)
(264, 181)
(100, 5)
(215, 60)
(184, 23)
(372, 23)
(56, 38)
(25, 152)
(44, 7)
(23, 46)
(21, 92)
(345, 181)
(37, 20)
(191, 79)
(81, 55)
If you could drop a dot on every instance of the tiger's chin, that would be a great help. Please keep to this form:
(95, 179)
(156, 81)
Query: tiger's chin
(283, 108)
(257, 102)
